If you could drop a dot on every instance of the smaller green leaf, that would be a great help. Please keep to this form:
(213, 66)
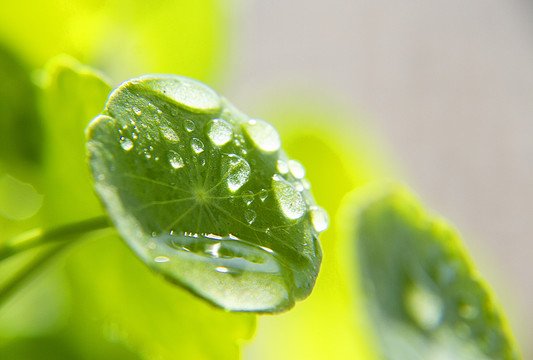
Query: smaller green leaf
(205, 195)
(426, 299)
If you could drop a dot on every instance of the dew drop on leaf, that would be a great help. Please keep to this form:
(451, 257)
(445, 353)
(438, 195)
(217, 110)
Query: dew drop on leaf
(126, 143)
(290, 200)
(319, 218)
(197, 145)
(170, 134)
(176, 161)
(282, 167)
(264, 135)
(189, 125)
(220, 132)
(297, 169)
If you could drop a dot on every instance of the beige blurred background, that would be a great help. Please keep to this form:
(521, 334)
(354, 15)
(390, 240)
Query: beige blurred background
(447, 85)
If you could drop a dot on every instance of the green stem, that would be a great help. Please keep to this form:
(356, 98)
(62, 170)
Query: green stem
(38, 237)
(57, 239)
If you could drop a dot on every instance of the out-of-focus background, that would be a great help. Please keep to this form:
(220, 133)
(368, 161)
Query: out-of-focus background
(446, 85)
(437, 94)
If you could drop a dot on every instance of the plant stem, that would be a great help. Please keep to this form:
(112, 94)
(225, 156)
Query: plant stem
(37, 237)
(57, 239)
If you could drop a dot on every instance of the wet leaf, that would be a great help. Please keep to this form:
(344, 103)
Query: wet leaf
(205, 195)
(426, 299)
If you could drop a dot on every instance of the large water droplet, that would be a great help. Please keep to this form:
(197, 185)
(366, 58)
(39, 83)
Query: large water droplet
(319, 218)
(250, 216)
(189, 125)
(264, 135)
(176, 161)
(297, 169)
(263, 194)
(290, 201)
(237, 171)
(126, 143)
(197, 145)
(282, 166)
(424, 306)
(220, 132)
(170, 134)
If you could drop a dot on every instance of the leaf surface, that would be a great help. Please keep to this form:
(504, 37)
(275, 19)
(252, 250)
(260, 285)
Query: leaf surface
(205, 195)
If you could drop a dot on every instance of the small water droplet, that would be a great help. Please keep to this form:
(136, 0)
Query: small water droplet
(136, 110)
(250, 216)
(468, 311)
(189, 125)
(134, 135)
(220, 132)
(161, 259)
(159, 112)
(176, 161)
(197, 145)
(319, 218)
(306, 184)
(248, 197)
(299, 187)
(297, 169)
(264, 135)
(290, 201)
(170, 134)
(126, 143)
(424, 306)
(237, 170)
(124, 127)
(263, 194)
(283, 168)
(222, 269)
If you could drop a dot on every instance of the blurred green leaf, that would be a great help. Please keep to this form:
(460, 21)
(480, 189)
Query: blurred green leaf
(426, 299)
(205, 195)
(72, 94)
(123, 38)
(20, 128)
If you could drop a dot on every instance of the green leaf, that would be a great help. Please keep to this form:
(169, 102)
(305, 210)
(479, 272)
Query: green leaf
(71, 95)
(426, 299)
(205, 195)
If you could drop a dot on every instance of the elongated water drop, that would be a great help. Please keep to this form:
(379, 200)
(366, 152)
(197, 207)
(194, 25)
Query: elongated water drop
(290, 201)
(197, 145)
(220, 132)
(264, 135)
(319, 218)
(126, 143)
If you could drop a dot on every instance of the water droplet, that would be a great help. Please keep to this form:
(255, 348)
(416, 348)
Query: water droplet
(136, 110)
(222, 269)
(424, 306)
(126, 143)
(197, 145)
(319, 218)
(161, 259)
(159, 112)
(176, 161)
(213, 249)
(290, 201)
(134, 135)
(299, 187)
(306, 184)
(237, 171)
(188, 92)
(250, 216)
(263, 194)
(264, 135)
(468, 311)
(220, 132)
(189, 125)
(170, 134)
(297, 169)
(283, 168)
(248, 197)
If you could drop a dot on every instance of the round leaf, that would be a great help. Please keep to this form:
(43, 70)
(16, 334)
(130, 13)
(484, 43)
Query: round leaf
(205, 195)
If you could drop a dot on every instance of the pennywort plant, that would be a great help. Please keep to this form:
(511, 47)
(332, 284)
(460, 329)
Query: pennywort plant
(205, 196)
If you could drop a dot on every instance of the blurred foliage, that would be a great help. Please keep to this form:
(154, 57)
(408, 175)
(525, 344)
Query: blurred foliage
(423, 293)
(122, 38)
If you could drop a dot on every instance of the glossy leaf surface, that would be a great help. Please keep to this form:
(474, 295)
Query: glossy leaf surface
(205, 195)
(426, 299)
